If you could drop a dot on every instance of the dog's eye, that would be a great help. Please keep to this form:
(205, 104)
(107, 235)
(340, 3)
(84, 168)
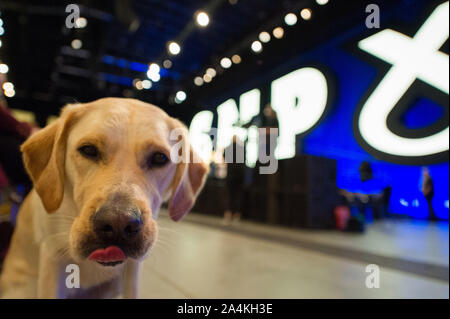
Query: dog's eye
(89, 151)
(157, 160)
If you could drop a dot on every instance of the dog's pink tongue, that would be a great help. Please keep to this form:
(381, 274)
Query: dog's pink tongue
(109, 254)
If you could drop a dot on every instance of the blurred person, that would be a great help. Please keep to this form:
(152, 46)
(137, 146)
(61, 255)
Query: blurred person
(235, 181)
(268, 138)
(428, 192)
(12, 134)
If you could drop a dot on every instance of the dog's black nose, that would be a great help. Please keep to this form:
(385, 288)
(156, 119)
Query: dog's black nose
(111, 223)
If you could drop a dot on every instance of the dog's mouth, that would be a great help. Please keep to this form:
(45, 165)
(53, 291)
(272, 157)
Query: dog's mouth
(109, 256)
(110, 264)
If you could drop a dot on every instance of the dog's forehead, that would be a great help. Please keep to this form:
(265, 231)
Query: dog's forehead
(125, 115)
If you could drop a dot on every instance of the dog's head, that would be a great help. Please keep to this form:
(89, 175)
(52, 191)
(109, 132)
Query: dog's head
(114, 160)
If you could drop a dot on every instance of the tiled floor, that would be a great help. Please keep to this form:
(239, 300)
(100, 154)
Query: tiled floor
(195, 260)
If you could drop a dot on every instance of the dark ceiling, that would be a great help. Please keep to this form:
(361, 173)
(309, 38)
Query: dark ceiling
(47, 72)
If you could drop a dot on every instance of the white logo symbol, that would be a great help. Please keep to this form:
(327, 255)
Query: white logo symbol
(411, 59)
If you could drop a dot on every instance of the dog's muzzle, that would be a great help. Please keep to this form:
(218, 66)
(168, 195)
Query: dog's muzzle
(117, 227)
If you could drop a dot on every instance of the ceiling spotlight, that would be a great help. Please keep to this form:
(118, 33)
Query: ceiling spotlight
(8, 86)
(167, 64)
(153, 72)
(180, 97)
(236, 59)
(202, 19)
(154, 68)
(10, 93)
(81, 22)
(257, 46)
(290, 19)
(4, 68)
(211, 72)
(322, 2)
(226, 63)
(1, 43)
(306, 14)
(278, 32)
(2, 31)
(146, 84)
(198, 81)
(207, 78)
(264, 37)
(174, 48)
(154, 77)
(139, 85)
(76, 44)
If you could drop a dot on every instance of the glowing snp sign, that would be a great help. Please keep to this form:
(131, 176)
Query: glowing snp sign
(411, 58)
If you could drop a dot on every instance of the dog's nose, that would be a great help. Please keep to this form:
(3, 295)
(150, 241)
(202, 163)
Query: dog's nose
(110, 224)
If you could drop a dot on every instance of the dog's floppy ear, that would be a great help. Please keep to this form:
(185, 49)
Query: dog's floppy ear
(44, 158)
(188, 181)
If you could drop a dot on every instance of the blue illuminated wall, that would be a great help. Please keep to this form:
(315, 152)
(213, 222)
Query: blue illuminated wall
(334, 137)
(351, 75)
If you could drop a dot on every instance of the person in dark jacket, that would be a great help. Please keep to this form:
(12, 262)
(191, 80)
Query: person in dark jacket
(12, 134)
(235, 181)
(428, 192)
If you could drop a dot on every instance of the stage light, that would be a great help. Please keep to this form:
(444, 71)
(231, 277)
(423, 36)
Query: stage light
(198, 81)
(226, 63)
(1, 43)
(146, 84)
(1, 22)
(306, 14)
(138, 85)
(81, 22)
(278, 32)
(167, 64)
(8, 86)
(76, 44)
(322, 2)
(153, 72)
(202, 19)
(290, 19)
(256, 46)
(4, 68)
(154, 77)
(2, 31)
(207, 78)
(154, 68)
(236, 59)
(264, 37)
(211, 72)
(174, 48)
(180, 97)
(10, 93)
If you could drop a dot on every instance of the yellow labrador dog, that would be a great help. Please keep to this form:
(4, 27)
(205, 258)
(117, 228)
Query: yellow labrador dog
(100, 174)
